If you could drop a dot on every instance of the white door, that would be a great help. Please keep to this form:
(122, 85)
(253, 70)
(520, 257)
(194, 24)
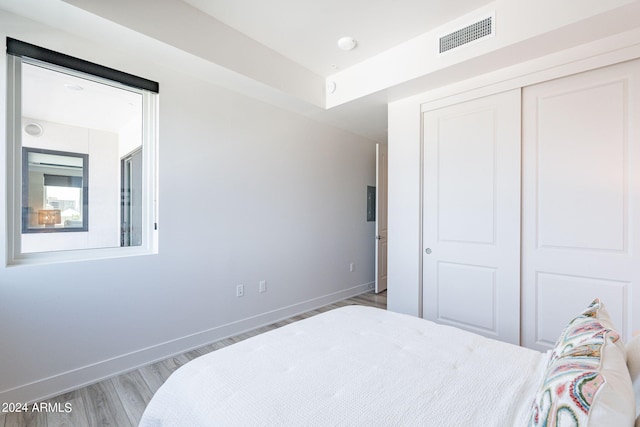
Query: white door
(381, 218)
(131, 201)
(471, 216)
(581, 200)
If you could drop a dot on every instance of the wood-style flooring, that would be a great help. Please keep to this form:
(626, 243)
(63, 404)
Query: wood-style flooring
(121, 400)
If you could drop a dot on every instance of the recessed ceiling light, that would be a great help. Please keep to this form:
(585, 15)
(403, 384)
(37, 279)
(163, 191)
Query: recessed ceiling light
(72, 86)
(347, 43)
(33, 129)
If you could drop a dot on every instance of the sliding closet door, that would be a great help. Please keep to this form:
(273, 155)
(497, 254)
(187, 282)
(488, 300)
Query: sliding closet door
(471, 222)
(581, 200)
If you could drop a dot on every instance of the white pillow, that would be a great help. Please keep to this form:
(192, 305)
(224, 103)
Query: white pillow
(633, 363)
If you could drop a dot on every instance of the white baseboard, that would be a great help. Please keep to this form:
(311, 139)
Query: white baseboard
(90, 374)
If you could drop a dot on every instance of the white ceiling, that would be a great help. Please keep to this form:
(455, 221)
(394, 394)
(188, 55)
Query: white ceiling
(281, 51)
(307, 31)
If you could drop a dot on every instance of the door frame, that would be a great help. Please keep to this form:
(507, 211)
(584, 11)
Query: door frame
(381, 232)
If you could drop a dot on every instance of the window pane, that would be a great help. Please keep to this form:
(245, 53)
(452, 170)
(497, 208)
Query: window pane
(63, 116)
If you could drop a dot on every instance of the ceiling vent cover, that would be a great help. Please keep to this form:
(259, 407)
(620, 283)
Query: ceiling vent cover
(468, 34)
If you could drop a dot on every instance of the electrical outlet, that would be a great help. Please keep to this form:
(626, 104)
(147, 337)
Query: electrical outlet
(352, 267)
(263, 286)
(240, 290)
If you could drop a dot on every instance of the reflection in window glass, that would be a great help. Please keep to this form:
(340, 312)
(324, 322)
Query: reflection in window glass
(68, 201)
(54, 191)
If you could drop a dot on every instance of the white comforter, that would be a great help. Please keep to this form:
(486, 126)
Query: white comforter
(354, 366)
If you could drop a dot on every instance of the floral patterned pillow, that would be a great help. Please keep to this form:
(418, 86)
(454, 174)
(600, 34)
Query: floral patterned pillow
(586, 381)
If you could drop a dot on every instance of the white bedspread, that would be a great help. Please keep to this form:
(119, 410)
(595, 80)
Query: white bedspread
(354, 366)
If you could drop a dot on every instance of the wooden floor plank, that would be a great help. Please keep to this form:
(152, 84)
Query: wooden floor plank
(193, 354)
(103, 406)
(26, 419)
(134, 394)
(72, 414)
(121, 400)
(174, 363)
(155, 375)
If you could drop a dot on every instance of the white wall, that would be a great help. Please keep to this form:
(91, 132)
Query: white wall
(248, 192)
(404, 210)
(129, 138)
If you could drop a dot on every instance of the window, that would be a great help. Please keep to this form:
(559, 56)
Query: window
(82, 159)
(55, 191)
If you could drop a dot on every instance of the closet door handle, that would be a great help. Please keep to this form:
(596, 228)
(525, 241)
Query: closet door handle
(428, 251)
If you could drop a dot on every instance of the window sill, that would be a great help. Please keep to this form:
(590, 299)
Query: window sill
(57, 257)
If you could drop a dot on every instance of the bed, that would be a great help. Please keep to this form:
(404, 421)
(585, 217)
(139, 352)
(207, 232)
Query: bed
(365, 366)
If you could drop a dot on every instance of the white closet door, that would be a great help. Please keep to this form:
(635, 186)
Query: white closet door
(581, 200)
(471, 222)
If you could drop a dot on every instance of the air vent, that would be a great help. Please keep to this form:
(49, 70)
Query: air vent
(468, 34)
